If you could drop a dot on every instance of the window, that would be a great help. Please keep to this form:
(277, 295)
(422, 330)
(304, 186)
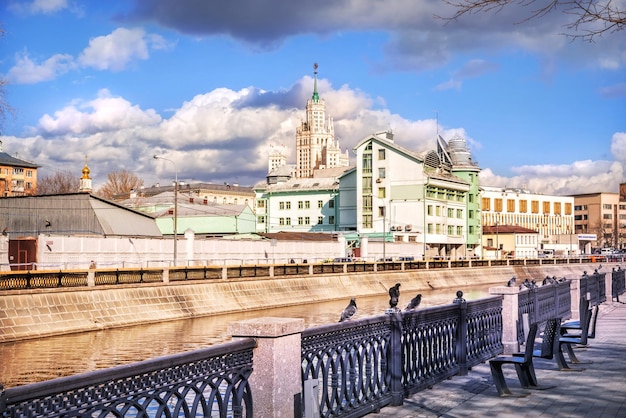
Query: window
(281, 205)
(331, 220)
(471, 214)
(307, 204)
(459, 230)
(320, 220)
(381, 173)
(300, 220)
(568, 208)
(367, 185)
(382, 192)
(287, 221)
(607, 206)
(471, 229)
(367, 221)
(510, 205)
(261, 204)
(486, 204)
(450, 213)
(288, 205)
(429, 228)
(307, 220)
(367, 203)
(489, 242)
(450, 230)
(429, 210)
(557, 208)
(438, 210)
(546, 207)
(523, 206)
(459, 213)
(320, 204)
(367, 163)
(29, 173)
(534, 206)
(607, 216)
(381, 211)
(281, 221)
(331, 203)
(381, 154)
(261, 219)
(497, 203)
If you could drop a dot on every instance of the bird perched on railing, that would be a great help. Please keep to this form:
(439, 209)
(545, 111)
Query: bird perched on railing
(548, 280)
(394, 295)
(414, 303)
(349, 311)
(528, 284)
(511, 282)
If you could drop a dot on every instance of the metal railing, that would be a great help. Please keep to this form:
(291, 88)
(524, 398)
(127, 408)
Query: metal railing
(364, 365)
(41, 279)
(618, 282)
(208, 382)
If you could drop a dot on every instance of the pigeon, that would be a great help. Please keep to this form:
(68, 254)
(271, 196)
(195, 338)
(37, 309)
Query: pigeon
(511, 282)
(349, 311)
(394, 295)
(414, 303)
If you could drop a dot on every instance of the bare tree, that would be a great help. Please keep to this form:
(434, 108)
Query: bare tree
(119, 183)
(60, 182)
(587, 18)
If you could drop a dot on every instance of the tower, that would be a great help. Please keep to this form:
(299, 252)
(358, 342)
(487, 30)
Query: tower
(316, 146)
(85, 180)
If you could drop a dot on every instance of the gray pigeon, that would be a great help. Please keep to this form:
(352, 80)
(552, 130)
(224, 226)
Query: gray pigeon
(394, 295)
(349, 311)
(414, 303)
(511, 282)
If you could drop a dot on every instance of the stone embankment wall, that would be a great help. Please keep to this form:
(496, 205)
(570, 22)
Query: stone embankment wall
(28, 314)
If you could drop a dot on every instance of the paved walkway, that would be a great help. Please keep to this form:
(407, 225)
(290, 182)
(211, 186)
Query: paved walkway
(598, 391)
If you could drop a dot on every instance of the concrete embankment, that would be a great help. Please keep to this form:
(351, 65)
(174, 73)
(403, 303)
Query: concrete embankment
(28, 314)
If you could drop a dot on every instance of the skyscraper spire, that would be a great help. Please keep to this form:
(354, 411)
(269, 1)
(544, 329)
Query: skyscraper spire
(316, 97)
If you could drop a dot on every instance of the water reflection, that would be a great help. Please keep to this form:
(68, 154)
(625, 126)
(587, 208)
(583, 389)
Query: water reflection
(41, 359)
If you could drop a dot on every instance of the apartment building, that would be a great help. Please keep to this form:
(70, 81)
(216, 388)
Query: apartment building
(601, 219)
(17, 177)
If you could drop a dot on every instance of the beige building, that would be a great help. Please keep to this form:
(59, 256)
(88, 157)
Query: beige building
(601, 216)
(507, 241)
(17, 177)
(316, 145)
(551, 216)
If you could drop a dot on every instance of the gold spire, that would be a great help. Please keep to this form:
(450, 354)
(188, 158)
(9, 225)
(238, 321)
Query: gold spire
(86, 171)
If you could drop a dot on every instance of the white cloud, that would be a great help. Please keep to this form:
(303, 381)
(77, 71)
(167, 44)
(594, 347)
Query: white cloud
(26, 71)
(116, 50)
(38, 6)
(225, 135)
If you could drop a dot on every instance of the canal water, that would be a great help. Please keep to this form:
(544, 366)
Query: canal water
(30, 361)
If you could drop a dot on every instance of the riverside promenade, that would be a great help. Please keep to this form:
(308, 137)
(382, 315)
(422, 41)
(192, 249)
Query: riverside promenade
(599, 391)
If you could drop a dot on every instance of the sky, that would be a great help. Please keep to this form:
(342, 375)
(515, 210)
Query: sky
(214, 86)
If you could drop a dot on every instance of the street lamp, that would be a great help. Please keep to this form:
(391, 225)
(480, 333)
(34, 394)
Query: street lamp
(157, 157)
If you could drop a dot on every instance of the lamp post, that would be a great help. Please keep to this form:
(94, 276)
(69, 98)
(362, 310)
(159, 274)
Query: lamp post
(497, 236)
(157, 157)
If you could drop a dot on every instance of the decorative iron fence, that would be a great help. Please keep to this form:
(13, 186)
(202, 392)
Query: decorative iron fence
(202, 383)
(42, 280)
(551, 300)
(364, 365)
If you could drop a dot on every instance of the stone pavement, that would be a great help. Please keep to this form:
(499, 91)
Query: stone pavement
(598, 391)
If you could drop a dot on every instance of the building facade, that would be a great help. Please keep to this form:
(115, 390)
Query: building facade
(551, 216)
(416, 197)
(17, 177)
(600, 218)
(316, 145)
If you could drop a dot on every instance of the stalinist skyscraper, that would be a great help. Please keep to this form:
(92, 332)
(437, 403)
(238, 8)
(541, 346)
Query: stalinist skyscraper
(316, 146)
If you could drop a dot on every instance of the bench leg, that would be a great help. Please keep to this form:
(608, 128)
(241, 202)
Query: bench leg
(572, 356)
(500, 381)
(560, 360)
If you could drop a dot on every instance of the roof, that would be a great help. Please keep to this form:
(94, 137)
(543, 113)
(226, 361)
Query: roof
(303, 184)
(6, 159)
(507, 229)
(73, 214)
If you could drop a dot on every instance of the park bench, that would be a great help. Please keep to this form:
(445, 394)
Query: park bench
(522, 364)
(547, 350)
(567, 339)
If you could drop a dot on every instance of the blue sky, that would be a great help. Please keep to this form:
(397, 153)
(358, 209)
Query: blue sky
(214, 85)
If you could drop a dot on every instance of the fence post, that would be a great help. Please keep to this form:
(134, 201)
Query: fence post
(461, 338)
(395, 359)
(510, 316)
(276, 381)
